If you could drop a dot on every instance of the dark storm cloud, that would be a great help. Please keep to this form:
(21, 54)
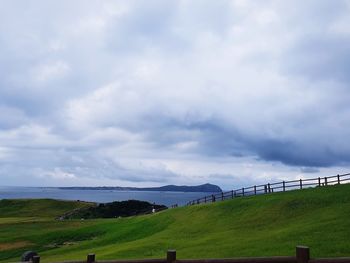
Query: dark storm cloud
(216, 137)
(309, 170)
(291, 153)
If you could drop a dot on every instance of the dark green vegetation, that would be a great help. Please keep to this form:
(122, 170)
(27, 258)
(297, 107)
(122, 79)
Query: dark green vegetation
(267, 225)
(115, 209)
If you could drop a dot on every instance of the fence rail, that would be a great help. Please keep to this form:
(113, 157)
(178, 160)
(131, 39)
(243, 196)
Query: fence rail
(273, 188)
(302, 255)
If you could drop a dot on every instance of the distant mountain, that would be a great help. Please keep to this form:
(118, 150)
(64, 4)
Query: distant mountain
(209, 188)
(184, 188)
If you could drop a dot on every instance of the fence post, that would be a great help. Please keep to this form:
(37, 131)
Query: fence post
(222, 196)
(90, 258)
(319, 181)
(325, 181)
(268, 185)
(284, 186)
(36, 259)
(302, 254)
(265, 188)
(338, 176)
(213, 198)
(254, 189)
(171, 256)
(243, 191)
(301, 184)
(232, 194)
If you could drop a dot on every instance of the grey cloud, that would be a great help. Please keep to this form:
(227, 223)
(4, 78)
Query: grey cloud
(321, 57)
(216, 138)
(149, 26)
(291, 153)
(230, 181)
(320, 50)
(166, 27)
(309, 170)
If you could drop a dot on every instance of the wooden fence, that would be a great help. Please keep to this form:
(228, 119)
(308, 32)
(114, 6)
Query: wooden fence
(302, 255)
(274, 187)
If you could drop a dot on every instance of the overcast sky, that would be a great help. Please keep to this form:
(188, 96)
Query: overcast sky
(147, 93)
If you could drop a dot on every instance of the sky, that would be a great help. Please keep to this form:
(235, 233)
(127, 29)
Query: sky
(148, 93)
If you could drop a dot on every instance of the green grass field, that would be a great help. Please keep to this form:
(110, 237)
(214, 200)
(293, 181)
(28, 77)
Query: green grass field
(40, 208)
(268, 225)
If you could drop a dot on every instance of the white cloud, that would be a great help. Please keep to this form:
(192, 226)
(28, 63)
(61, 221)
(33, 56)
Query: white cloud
(56, 174)
(50, 72)
(148, 92)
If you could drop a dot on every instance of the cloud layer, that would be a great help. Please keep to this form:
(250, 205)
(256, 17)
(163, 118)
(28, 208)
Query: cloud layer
(185, 92)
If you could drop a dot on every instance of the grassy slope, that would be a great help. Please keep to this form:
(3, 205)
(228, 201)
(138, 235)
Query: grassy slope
(254, 226)
(48, 208)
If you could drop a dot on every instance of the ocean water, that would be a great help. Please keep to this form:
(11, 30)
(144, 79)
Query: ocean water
(100, 196)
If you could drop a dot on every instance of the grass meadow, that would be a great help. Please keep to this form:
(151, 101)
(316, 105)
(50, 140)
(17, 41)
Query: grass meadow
(267, 225)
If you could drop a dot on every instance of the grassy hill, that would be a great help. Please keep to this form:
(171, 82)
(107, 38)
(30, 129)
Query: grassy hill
(44, 208)
(252, 226)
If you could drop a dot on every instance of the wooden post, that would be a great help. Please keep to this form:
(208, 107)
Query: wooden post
(171, 256)
(222, 196)
(90, 258)
(243, 191)
(319, 181)
(254, 189)
(301, 184)
(338, 176)
(232, 193)
(36, 259)
(213, 198)
(284, 186)
(302, 254)
(265, 188)
(268, 185)
(325, 181)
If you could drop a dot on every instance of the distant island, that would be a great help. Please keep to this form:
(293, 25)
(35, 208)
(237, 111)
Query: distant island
(208, 188)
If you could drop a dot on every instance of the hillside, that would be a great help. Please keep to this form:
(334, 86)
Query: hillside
(253, 226)
(38, 207)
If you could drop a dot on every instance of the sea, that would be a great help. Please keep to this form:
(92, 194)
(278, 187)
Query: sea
(100, 196)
